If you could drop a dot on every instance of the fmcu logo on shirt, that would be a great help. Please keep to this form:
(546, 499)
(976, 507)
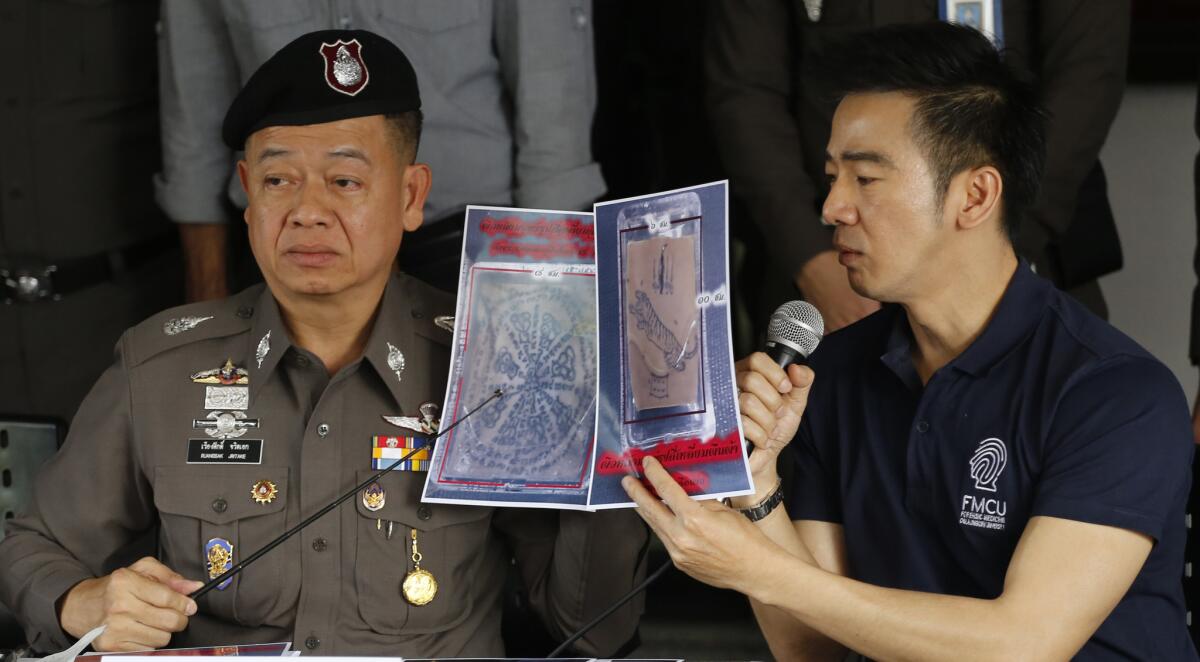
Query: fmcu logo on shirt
(985, 511)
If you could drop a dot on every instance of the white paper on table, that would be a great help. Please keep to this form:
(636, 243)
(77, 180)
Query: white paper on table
(71, 653)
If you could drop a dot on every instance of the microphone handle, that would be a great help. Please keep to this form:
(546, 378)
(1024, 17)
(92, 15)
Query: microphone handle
(783, 355)
(236, 569)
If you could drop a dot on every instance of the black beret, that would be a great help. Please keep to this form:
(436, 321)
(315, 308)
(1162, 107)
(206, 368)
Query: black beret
(322, 77)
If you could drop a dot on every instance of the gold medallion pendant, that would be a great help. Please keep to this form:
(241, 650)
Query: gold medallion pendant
(420, 588)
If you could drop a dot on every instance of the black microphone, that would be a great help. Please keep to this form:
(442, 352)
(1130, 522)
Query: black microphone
(795, 330)
(216, 581)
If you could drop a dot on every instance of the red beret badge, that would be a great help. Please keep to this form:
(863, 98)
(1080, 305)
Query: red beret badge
(345, 70)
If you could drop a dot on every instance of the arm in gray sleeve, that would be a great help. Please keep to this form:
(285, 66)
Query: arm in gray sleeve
(1083, 47)
(90, 500)
(749, 60)
(545, 52)
(198, 79)
(577, 564)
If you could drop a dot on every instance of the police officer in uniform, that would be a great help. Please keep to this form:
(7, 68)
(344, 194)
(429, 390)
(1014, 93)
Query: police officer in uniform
(224, 423)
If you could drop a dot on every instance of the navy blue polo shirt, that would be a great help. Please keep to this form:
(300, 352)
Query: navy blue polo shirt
(1051, 411)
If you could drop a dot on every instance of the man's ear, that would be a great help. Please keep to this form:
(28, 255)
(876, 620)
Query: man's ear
(243, 171)
(416, 182)
(981, 191)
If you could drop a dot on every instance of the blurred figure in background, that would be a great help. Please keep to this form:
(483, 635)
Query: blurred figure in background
(1194, 345)
(509, 88)
(771, 129)
(84, 253)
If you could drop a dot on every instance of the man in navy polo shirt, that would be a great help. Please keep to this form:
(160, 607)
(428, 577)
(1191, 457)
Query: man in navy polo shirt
(985, 469)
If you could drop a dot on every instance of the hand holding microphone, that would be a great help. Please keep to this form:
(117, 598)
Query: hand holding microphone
(773, 393)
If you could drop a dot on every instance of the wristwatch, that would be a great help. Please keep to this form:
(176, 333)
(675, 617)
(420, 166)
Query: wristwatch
(764, 507)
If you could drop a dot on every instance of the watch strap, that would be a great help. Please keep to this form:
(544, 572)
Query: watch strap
(763, 508)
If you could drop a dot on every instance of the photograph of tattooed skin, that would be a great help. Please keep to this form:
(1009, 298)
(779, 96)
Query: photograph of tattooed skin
(535, 339)
(662, 322)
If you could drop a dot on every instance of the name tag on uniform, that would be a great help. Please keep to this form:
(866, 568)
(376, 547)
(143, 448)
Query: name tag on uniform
(983, 15)
(224, 451)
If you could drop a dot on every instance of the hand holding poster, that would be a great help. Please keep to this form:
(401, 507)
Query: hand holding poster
(610, 342)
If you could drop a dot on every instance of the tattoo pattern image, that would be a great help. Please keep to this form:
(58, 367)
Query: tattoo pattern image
(664, 273)
(536, 341)
(662, 322)
(674, 353)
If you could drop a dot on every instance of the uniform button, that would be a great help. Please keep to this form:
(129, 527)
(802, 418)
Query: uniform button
(323, 430)
(302, 360)
(424, 512)
(418, 315)
(220, 505)
(922, 426)
(320, 544)
(312, 643)
(245, 312)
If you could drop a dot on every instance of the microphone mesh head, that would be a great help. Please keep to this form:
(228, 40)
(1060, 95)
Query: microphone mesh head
(796, 324)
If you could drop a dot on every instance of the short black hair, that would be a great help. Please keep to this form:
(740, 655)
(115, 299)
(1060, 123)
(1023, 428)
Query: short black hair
(405, 131)
(972, 108)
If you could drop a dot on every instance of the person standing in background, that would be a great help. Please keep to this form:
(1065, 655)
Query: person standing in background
(509, 87)
(771, 129)
(1194, 345)
(84, 252)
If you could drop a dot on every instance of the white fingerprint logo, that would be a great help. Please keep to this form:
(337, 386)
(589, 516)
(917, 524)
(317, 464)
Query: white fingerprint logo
(987, 463)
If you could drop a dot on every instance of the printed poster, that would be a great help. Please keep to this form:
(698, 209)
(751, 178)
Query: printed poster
(666, 381)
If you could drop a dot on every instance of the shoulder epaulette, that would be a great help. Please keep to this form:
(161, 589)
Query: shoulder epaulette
(433, 311)
(189, 323)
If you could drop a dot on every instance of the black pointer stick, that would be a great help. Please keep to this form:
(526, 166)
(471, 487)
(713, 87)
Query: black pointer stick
(216, 581)
(612, 608)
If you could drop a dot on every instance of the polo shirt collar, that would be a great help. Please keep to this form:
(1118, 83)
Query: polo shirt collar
(1014, 318)
(1018, 312)
(897, 354)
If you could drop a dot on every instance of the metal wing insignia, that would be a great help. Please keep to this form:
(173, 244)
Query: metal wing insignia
(408, 423)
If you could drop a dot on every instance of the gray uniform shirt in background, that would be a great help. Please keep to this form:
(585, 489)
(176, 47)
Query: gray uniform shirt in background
(772, 130)
(507, 88)
(335, 588)
(78, 146)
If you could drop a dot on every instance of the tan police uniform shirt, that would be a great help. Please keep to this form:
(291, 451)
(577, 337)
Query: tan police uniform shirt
(335, 588)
